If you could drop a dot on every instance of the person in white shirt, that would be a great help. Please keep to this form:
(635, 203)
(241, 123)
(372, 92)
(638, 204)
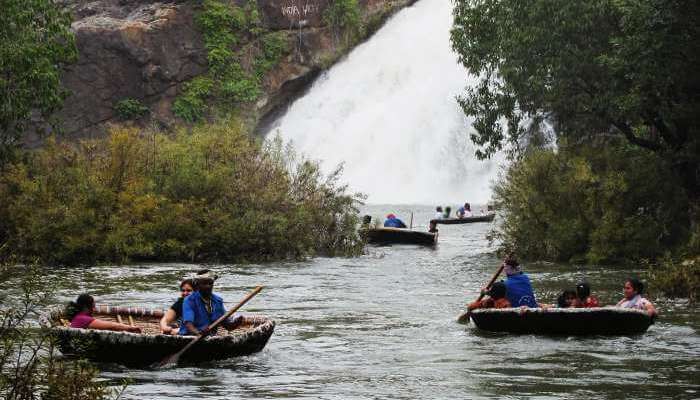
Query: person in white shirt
(632, 291)
(438, 213)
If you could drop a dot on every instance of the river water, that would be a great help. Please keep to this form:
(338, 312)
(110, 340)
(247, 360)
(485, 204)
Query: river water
(383, 326)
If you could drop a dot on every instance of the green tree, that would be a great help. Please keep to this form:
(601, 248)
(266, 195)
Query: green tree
(600, 67)
(35, 40)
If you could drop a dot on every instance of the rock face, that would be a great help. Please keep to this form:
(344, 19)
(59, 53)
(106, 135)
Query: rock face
(146, 50)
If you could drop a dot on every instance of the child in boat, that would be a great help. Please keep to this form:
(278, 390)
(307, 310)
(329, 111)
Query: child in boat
(567, 299)
(174, 313)
(438, 213)
(496, 298)
(583, 293)
(632, 291)
(393, 222)
(79, 313)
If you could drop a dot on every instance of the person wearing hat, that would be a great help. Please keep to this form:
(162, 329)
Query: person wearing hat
(518, 287)
(201, 308)
(393, 222)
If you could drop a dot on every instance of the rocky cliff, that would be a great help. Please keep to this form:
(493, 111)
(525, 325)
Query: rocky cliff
(144, 51)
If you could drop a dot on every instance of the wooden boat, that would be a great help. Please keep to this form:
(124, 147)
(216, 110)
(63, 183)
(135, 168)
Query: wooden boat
(563, 321)
(399, 236)
(150, 346)
(465, 220)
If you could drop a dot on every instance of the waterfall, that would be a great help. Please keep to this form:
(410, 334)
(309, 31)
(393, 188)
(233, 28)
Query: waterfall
(388, 112)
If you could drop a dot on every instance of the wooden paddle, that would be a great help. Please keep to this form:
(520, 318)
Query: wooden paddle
(173, 359)
(464, 317)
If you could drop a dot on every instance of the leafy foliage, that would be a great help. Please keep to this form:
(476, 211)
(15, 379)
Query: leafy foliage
(600, 203)
(623, 67)
(345, 18)
(226, 26)
(36, 40)
(209, 194)
(29, 366)
(130, 109)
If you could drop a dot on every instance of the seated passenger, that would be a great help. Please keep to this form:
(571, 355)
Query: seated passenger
(203, 307)
(438, 213)
(79, 313)
(465, 211)
(518, 287)
(393, 222)
(496, 298)
(567, 299)
(448, 211)
(174, 313)
(632, 291)
(585, 300)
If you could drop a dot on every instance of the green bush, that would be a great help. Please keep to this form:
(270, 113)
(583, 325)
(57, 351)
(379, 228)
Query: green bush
(130, 109)
(224, 26)
(30, 367)
(191, 104)
(273, 46)
(677, 277)
(209, 194)
(345, 19)
(597, 203)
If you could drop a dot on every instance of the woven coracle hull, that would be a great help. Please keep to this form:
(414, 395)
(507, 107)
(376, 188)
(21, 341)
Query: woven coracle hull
(399, 236)
(466, 220)
(567, 321)
(150, 346)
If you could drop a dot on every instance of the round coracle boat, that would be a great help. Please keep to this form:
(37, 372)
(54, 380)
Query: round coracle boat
(465, 220)
(386, 236)
(563, 321)
(151, 346)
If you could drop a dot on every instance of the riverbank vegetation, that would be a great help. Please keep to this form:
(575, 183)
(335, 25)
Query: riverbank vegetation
(30, 367)
(598, 105)
(210, 193)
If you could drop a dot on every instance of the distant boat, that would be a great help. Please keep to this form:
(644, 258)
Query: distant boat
(563, 321)
(399, 236)
(142, 349)
(465, 220)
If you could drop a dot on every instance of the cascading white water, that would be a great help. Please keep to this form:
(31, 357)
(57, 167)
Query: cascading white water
(388, 112)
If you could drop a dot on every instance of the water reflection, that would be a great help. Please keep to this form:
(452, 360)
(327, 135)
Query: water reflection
(382, 326)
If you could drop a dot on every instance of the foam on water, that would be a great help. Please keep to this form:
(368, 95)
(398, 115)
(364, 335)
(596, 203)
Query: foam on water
(389, 113)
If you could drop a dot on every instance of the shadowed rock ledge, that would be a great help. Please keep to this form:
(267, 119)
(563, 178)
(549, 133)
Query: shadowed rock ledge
(146, 50)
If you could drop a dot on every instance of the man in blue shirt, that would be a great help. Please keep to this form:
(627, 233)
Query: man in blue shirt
(203, 307)
(393, 222)
(518, 288)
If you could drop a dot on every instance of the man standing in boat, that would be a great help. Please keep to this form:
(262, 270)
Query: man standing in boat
(203, 307)
(518, 287)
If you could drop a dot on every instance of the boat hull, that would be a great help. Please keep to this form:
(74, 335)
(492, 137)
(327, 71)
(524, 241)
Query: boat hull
(386, 236)
(466, 220)
(557, 321)
(145, 349)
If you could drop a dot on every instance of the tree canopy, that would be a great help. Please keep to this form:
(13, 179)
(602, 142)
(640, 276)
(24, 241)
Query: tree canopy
(35, 39)
(590, 68)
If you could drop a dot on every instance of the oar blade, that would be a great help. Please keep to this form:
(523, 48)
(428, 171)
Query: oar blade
(463, 318)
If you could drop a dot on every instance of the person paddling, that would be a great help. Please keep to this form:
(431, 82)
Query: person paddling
(518, 287)
(632, 291)
(203, 307)
(79, 313)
